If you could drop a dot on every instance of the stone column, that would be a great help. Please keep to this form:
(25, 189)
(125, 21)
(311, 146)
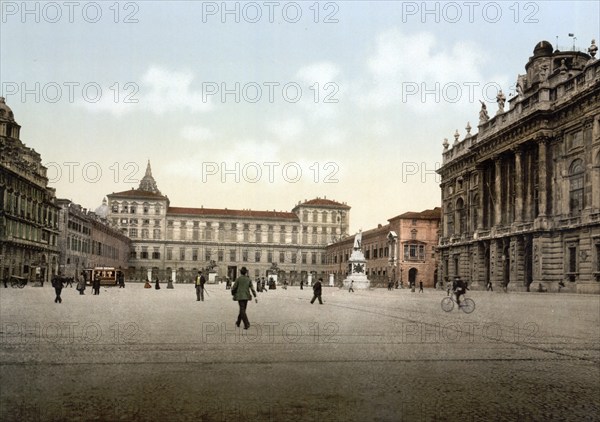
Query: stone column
(498, 191)
(542, 176)
(518, 185)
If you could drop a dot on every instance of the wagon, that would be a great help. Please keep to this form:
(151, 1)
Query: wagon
(16, 281)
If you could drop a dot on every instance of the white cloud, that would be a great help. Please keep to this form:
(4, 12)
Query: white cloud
(322, 84)
(287, 129)
(418, 71)
(161, 91)
(321, 72)
(196, 133)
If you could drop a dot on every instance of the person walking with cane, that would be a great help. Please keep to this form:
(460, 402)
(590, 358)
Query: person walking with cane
(317, 288)
(241, 293)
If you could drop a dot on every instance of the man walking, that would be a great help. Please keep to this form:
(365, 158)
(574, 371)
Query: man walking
(317, 292)
(241, 293)
(420, 287)
(57, 283)
(200, 280)
(351, 290)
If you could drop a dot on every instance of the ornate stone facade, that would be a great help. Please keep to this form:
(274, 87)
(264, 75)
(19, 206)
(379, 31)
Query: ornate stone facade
(521, 198)
(28, 213)
(178, 241)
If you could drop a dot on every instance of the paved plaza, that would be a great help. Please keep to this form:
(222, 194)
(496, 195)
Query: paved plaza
(138, 354)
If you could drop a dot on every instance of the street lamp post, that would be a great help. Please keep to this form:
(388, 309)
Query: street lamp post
(340, 219)
(392, 237)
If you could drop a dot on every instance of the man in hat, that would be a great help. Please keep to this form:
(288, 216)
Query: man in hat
(317, 292)
(200, 281)
(241, 293)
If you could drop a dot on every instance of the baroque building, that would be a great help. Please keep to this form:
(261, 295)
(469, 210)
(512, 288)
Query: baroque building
(403, 251)
(28, 212)
(86, 240)
(175, 242)
(521, 198)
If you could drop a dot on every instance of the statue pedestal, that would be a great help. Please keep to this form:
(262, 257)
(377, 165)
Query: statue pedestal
(170, 284)
(357, 265)
(360, 281)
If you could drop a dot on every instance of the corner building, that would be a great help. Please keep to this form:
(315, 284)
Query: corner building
(86, 240)
(169, 240)
(28, 212)
(521, 198)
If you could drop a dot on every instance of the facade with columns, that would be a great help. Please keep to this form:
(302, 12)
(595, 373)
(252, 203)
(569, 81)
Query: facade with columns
(175, 242)
(28, 212)
(521, 198)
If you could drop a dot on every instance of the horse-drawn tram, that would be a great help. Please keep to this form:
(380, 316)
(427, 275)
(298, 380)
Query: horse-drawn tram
(109, 276)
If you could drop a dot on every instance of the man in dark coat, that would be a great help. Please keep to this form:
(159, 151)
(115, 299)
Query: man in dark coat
(317, 292)
(57, 283)
(241, 293)
(96, 285)
(200, 281)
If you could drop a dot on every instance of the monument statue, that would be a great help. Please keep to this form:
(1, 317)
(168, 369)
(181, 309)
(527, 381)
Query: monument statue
(500, 99)
(357, 264)
(483, 114)
(358, 240)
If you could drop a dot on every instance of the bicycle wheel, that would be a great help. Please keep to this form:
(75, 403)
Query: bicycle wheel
(447, 304)
(468, 305)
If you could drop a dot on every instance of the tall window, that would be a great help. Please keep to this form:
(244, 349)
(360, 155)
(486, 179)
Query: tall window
(576, 201)
(450, 221)
(460, 215)
(573, 259)
(475, 212)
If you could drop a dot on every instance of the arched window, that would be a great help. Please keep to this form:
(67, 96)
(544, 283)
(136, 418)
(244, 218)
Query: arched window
(576, 199)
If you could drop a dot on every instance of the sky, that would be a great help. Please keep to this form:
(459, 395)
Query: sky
(261, 105)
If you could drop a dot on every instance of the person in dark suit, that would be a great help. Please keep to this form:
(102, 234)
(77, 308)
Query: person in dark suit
(200, 282)
(241, 293)
(96, 285)
(57, 283)
(317, 292)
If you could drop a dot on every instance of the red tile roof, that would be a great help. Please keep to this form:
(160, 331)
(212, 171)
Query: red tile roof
(434, 214)
(136, 193)
(217, 212)
(322, 202)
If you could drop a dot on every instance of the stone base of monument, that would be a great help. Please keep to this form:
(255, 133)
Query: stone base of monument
(360, 282)
(170, 284)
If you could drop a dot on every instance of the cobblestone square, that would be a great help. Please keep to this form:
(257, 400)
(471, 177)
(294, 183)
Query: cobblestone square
(138, 354)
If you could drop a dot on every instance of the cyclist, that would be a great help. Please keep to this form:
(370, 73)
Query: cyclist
(459, 287)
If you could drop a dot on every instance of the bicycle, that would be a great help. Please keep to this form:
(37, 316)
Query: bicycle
(467, 305)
